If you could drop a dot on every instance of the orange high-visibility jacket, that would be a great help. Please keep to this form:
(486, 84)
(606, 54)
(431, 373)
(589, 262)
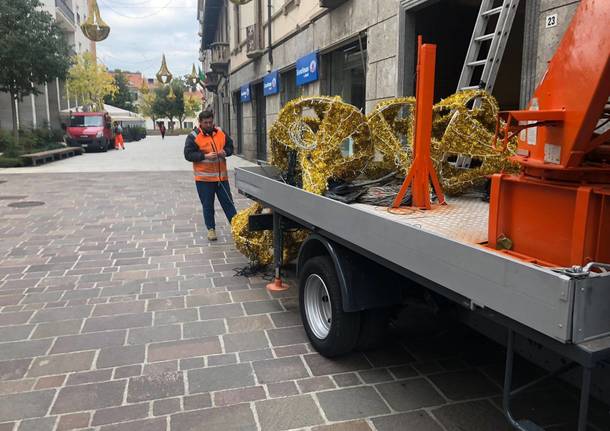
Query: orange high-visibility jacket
(211, 170)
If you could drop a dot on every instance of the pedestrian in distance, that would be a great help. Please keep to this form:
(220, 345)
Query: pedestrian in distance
(162, 130)
(118, 136)
(208, 147)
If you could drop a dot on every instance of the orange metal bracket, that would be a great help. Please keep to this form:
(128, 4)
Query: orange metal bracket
(422, 170)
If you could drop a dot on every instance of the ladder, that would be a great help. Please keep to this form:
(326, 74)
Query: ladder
(489, 61)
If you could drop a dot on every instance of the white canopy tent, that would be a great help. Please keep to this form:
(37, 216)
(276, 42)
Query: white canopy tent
(123, 116)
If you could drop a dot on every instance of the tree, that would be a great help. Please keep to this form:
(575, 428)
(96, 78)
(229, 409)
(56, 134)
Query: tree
(90, 81)
(147, 101)
(122, 98)
(33, 50)
(168, 107)
(192, 106)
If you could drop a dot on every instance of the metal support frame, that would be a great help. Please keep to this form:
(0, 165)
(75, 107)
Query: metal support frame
(278, 250)
(507, 393)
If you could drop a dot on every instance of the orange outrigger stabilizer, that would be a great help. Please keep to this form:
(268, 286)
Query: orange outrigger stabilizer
(557, 211)
(422, 170)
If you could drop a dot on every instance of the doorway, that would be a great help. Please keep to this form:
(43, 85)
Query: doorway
(449, 24)
(239, 117)
(261, 121)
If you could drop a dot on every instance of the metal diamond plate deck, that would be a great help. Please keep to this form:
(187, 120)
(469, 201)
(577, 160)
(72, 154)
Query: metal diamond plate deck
(462, 219)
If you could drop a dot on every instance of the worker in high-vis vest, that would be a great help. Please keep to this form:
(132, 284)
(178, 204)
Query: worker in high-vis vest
(208, 148)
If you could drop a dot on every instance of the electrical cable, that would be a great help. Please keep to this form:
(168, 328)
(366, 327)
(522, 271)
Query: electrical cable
(161, 9)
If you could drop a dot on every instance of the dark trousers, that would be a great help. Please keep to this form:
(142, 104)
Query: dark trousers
(207, 191)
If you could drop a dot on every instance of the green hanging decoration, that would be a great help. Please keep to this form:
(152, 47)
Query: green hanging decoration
(164, 76)
(94, 28)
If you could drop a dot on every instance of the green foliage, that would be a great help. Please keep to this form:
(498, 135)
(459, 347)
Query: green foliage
(164, 107)
(90, 81)
(122, 98)
(33, 49)
(10, 162)
(30, 141)
(133, 133)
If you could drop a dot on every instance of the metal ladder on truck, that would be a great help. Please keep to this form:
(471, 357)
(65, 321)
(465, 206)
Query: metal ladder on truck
(491, 59)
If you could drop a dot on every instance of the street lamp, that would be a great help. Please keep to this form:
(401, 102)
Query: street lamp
(193, 78)
(164, 76)
(94, 28)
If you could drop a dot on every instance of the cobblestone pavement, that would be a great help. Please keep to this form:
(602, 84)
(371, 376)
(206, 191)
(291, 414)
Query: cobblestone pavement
(116, 315)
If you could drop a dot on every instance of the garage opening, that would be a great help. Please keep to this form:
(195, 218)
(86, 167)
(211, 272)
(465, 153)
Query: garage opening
(449, 24)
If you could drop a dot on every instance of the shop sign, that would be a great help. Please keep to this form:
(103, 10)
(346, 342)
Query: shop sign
(271, 83)
(307, 69)
(244, 93)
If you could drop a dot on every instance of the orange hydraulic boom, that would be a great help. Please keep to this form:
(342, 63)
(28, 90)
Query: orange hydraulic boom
(556, 212)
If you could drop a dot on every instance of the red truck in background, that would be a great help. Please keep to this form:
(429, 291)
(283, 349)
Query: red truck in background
(90, 131)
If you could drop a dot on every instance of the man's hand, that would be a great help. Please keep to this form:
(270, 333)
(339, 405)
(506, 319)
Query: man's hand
(222, 154)
(211, 156)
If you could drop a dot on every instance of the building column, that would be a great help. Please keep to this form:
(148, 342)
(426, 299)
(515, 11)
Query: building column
(33, 100)
(46, 102)
(530, 45)
(16, 103)
(68, 98)
(58, 95)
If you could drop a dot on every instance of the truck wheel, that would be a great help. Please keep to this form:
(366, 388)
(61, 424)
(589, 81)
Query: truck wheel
(332, 331)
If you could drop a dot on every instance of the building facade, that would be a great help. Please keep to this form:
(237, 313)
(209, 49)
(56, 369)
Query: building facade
(361, 50)
(43, 110)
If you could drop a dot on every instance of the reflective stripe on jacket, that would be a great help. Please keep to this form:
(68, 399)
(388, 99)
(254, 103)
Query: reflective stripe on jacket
(211, 170)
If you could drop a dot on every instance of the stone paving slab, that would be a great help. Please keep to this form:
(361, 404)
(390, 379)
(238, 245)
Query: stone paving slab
(117, 314)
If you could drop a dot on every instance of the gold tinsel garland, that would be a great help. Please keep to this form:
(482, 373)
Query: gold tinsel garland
(318, 140)
(316, 128)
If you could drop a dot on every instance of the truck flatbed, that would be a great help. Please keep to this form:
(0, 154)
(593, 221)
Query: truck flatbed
(444, 248)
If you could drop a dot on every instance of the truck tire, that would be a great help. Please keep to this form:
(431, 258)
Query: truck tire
(332, 331)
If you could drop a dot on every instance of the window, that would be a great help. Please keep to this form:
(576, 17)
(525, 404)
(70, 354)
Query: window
(347, 73)
(78, 17)
(86, 121)
(236, 26)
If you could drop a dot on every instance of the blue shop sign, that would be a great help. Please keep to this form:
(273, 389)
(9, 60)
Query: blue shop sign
(244, 93)
(307, 69)
(271, 83)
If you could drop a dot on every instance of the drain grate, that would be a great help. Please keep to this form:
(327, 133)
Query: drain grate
(11, 198)
(26, 204)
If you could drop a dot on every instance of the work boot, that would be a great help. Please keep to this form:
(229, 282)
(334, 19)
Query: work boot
(212, 235)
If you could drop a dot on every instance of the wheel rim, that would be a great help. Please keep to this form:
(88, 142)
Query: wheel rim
(318, 307)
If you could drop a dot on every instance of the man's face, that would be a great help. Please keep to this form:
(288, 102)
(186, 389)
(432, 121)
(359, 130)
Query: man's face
(207, 124)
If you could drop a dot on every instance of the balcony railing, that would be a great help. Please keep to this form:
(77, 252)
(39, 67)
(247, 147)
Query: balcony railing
(65, 9)
(219, 61)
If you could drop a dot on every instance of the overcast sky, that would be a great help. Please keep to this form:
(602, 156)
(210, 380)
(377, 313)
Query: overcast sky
(141, 30)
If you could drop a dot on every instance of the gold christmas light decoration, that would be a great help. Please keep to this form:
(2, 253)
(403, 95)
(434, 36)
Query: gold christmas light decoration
(164, 76)
(94, 27)
(317, 128)
(391, 125)
(462, 129)
(171, 96)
